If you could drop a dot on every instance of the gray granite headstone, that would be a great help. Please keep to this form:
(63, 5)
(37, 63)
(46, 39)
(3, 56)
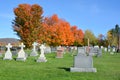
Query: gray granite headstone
(83, 63)
(81, 50)
(99, 54)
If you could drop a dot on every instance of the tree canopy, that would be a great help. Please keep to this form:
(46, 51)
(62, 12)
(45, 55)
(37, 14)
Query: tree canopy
(28, 22)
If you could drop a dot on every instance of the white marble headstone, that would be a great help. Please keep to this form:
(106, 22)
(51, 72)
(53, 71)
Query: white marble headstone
(42, 57)
(8, 54)
(21, 53)
(34, 52)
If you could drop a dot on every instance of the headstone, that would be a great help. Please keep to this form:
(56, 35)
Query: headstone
(8, 54)
(34, 52)
(47, 49)
(42, 57)
(21, 54)
(109, 50)
(83, 63)
(59, 52)
(81, 50)
(113, 49)
(53, 49)
(14, 50)
(99, 54)
(92, 51)
(73, 51)
(105, 49)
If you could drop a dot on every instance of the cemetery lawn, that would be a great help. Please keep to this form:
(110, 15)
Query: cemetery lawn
(108, 68)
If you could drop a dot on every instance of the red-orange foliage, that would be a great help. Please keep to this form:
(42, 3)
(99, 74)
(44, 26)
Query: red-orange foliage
(78, 35)
(28, 22)
(58, 31)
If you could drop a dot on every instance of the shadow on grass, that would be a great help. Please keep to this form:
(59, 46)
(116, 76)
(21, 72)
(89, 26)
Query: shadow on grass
(64, 68)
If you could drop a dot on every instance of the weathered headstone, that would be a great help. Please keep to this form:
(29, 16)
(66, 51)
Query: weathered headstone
(14, 50)
(42, 57)
(81, 50)
(34, 52)
(53, 49)
(59, 52)
(99, 54)
(113, 50)
(21, 54)
(47, 49)
(105, 49)
(91, 52)
(8, 54)
(83, 63)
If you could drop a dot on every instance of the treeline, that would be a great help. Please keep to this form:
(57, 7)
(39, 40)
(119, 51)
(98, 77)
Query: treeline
(30, 25)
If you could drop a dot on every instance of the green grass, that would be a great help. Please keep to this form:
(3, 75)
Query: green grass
(108, 68)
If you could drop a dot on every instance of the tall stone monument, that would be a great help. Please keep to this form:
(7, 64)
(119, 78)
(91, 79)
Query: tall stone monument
(42, 57)
(34, 52)
(21, 53)
(83, 63)
(8, 54)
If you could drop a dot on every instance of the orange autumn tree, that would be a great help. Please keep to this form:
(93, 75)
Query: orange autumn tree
(78, 36)
(28, 22)
(57, 31)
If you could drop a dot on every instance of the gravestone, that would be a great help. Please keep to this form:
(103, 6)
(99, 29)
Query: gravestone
(21, 54)
(59, 52)
(99, 54)
(42, 57)
(8, 54)
(47, 49)
(83, 63)
(105, 49)
(113, 50)
(81, 50)
(34, 52)
(53, 49)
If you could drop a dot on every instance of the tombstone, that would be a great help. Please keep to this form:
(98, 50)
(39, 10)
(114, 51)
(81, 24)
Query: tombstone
(105, 49)
(59, 52)
(21, 54)
(14, 50)
(73, 50)
(92, 51)
(2, 49)
(99, 54)
(42, 57)
(34, 52)
(81, 50)
(53, 49)
(109, 50)
(113, 51)
(47, 49)
(83, 63)
(8, 54)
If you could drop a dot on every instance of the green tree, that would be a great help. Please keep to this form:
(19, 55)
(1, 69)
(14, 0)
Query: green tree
(89, 35)
(28, 22)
